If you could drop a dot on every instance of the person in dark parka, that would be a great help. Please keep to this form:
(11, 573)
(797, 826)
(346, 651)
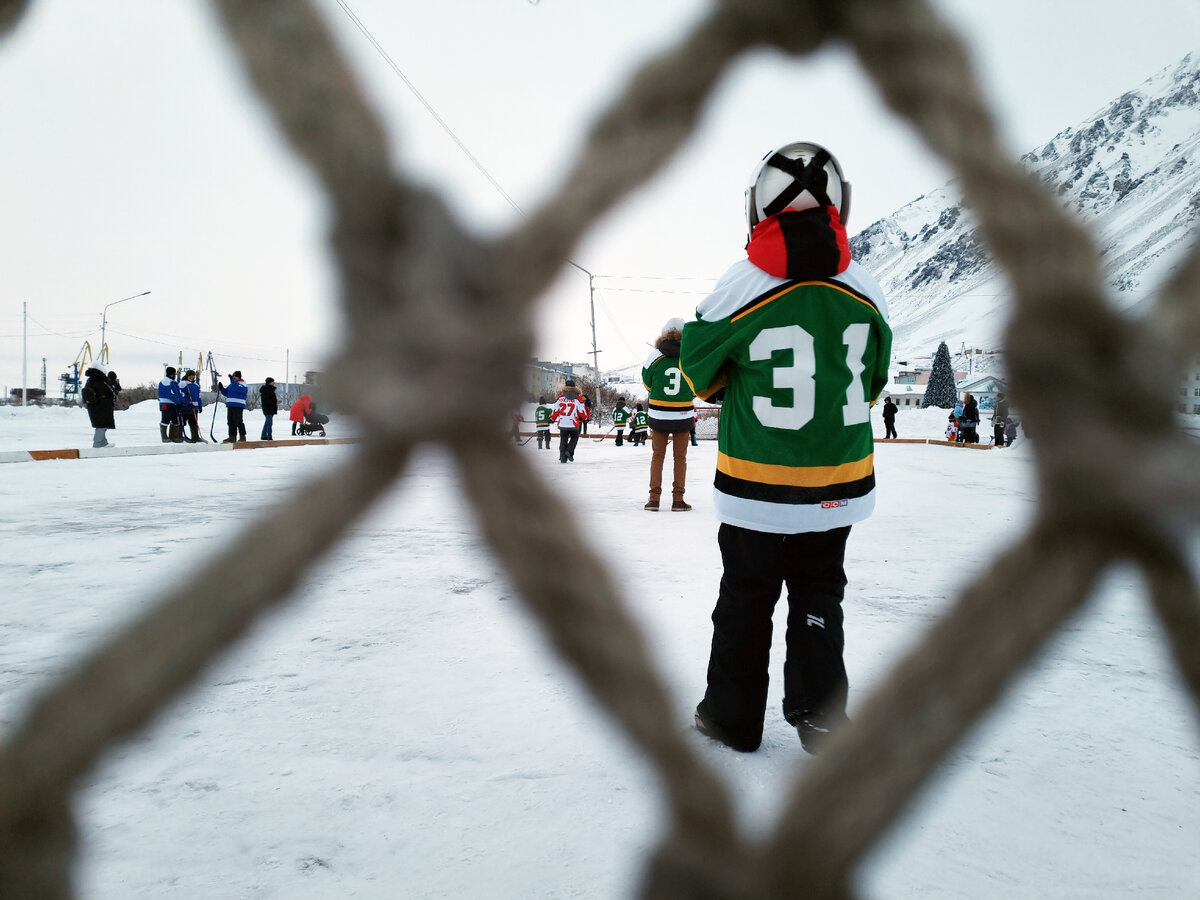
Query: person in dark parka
(270, 407)
(889, 419)
(99, 398)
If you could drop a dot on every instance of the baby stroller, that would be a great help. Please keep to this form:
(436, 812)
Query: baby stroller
(314, 423)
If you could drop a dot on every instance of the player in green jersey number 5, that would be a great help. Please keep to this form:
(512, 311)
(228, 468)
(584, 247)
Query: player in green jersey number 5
(796, 339)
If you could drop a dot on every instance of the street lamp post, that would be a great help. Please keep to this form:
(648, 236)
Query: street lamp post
(102, 359)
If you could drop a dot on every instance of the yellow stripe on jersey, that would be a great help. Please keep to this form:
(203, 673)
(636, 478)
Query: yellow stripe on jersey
(761, 303)
(675, 404)
(799, 476)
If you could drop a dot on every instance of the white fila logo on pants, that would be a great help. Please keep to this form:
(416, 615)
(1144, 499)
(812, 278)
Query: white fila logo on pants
(819, 621)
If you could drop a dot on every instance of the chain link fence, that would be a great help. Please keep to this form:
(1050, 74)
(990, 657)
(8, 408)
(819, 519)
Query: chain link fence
(1128, 494)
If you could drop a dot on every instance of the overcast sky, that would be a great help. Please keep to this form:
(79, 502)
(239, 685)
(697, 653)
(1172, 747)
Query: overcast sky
(132, 159)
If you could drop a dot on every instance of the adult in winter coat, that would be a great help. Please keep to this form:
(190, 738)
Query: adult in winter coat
(190, 406)
(99, 399)
(301, 408)
(541, 419)
(889, 419)
(568, 414)
(235, 406)
(620, 417)
(270, 407)
(796, 339)
(968, 422)
(170, 398)
(1000, 418)
(670, 412)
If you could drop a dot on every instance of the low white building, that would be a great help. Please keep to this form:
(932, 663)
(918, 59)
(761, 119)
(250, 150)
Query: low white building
(905, 396)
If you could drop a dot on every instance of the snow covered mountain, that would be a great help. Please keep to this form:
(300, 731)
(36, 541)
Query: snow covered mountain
(1130, 172)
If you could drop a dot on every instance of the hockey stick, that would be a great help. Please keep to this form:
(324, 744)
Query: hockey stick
(603, 436)
(527, 440)
(216, 403)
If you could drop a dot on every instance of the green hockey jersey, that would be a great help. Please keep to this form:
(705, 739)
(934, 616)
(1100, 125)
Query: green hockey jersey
(669, 396)
(620, 416)
(801, 363)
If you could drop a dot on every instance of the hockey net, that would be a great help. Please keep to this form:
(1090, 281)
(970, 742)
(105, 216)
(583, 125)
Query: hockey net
(1139, 496)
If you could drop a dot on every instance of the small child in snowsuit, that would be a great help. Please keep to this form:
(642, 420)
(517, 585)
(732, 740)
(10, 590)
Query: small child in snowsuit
(952, 429)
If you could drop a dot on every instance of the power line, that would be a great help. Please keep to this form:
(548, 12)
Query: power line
(433, 112)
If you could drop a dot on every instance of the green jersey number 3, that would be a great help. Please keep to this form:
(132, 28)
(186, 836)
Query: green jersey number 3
(800, 377)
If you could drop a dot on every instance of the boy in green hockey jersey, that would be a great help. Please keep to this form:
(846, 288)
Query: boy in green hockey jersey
(670, 413)
(796, 339)
(638, 424)
(620, 417)
(541, 419)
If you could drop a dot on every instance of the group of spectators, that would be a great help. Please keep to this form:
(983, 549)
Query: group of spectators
(180, 403)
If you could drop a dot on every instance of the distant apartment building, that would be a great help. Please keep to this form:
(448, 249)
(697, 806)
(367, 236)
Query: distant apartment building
(546, 379)
(1189, 392)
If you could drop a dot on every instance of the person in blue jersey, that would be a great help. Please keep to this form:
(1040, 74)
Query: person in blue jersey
(235, 406)
(796, 341)
(670, 414)
(170, 399)
(190, 406)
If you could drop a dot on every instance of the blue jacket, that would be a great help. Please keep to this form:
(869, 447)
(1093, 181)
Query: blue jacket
(168, 392)
(191, 394)
(235, 393)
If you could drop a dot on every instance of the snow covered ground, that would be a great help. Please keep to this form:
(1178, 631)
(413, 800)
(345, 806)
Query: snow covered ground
(400, 729)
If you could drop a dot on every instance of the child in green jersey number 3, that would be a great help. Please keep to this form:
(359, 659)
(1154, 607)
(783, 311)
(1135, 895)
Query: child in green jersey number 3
(670, 414)
(795, 338)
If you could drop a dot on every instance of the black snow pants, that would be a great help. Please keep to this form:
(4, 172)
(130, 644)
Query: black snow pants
(757, 566)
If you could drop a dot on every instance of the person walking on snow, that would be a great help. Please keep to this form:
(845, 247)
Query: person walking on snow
(541, 419)
(270, 408)
(569, 414)
(889, 418)
(670, 412)
(99, 398)
(301, 408)
(170, 398)
(235, 406)
(796, 339)
(620, 417)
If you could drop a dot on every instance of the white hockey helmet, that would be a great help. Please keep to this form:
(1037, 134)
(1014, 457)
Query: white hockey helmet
(801, 175)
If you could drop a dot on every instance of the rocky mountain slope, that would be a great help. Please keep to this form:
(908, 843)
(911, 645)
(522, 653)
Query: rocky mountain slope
(1130, 172)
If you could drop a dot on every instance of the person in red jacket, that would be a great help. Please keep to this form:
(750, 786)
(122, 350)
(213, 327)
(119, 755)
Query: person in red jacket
(569, 414)
(300, 409)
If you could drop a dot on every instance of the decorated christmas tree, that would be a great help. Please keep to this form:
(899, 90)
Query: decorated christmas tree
(940, 391)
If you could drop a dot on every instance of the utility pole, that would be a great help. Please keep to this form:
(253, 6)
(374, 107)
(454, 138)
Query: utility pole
(592, 306)
(24, 352)
(102, 359)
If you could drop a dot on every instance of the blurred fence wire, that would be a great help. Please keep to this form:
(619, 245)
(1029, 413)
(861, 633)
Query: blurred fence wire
(1127, 493)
